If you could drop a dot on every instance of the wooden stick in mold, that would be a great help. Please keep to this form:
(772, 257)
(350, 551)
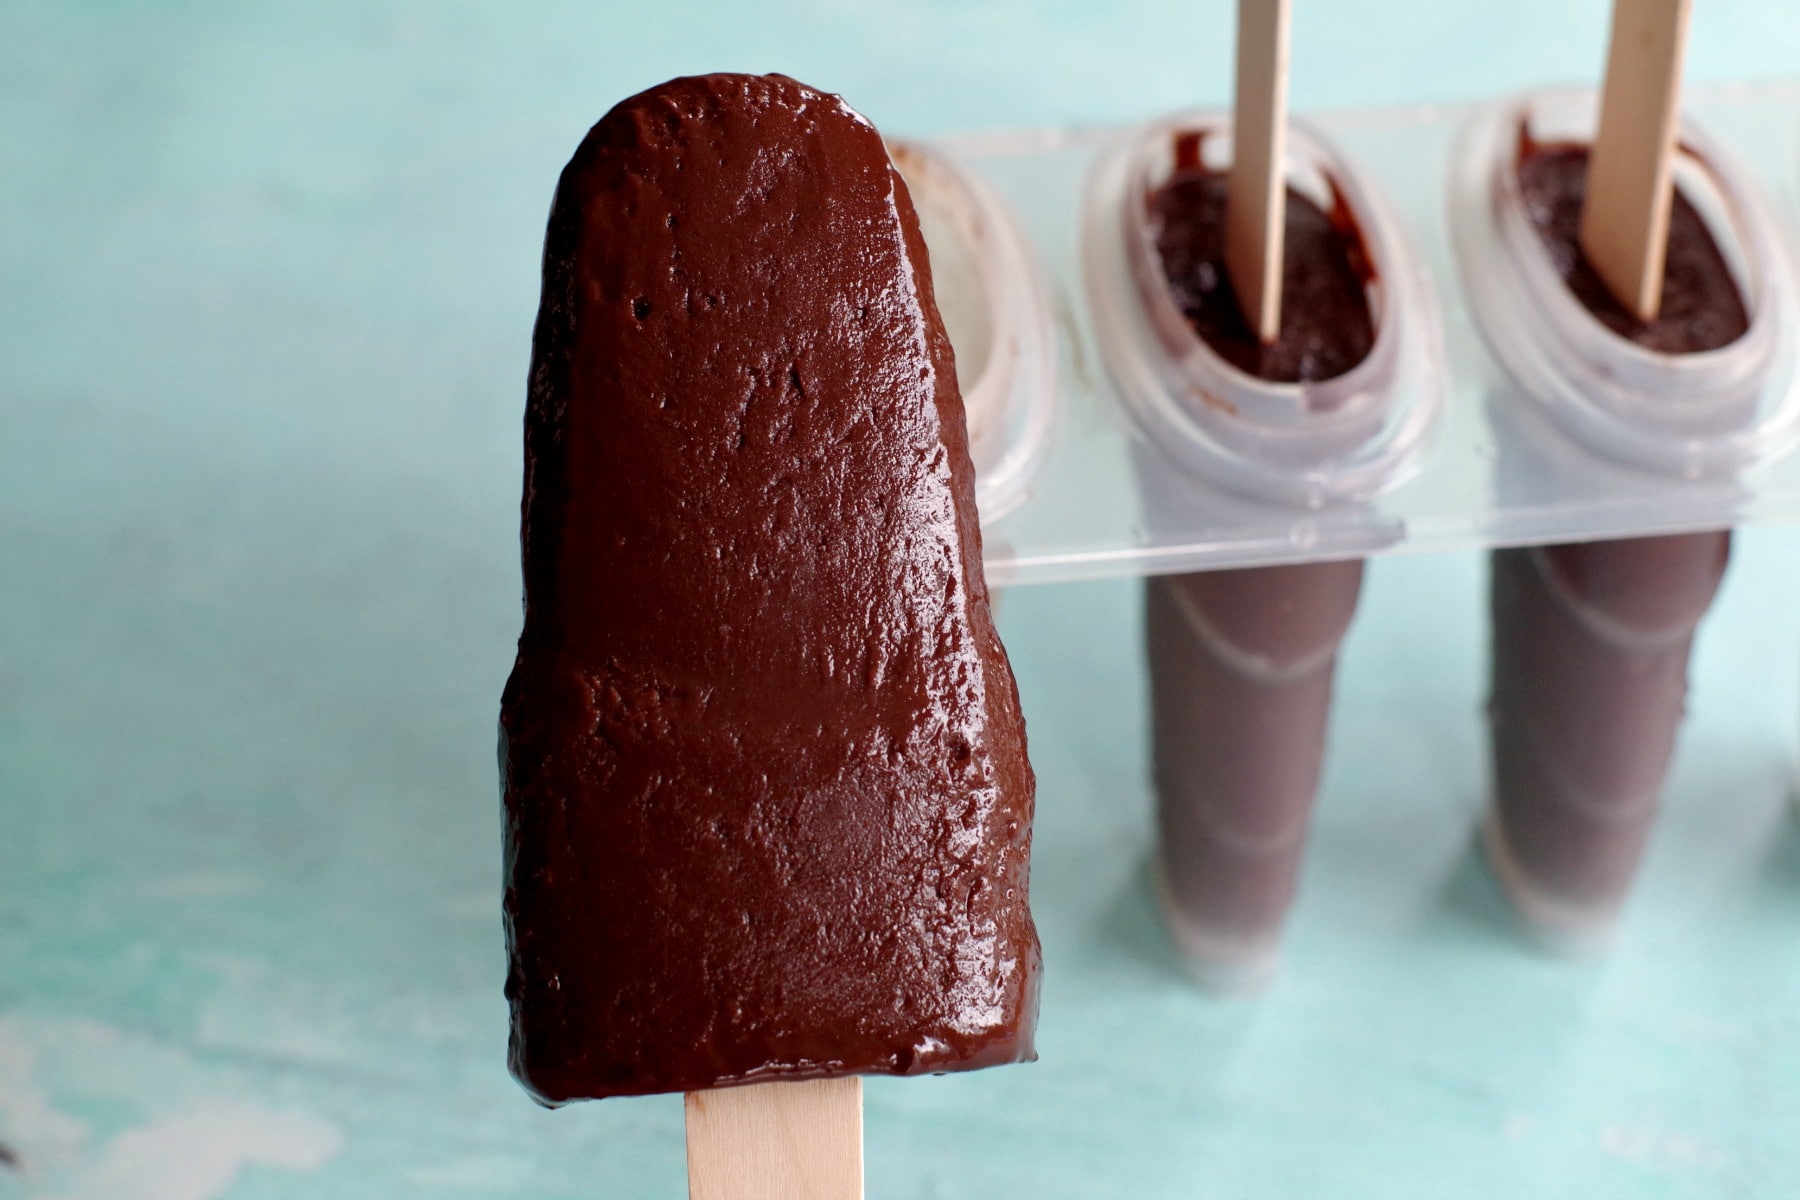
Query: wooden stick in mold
(1256, 199)
(1630, 181)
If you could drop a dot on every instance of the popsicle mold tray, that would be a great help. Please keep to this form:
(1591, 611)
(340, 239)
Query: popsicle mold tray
(1493, 409)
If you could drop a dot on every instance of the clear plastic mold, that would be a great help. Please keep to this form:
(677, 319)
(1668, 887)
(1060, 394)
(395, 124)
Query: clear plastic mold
(1127, 476)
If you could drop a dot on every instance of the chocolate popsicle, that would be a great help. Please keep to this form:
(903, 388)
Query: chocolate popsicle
(1241, 661)
(1591, 641)
(767, 802)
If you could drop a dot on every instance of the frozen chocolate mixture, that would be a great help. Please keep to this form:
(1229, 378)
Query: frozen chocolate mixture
(767, 804)
(1591, 641)
(1241, 666)
(1241, 661)
(1326, 325)
(1701, 306)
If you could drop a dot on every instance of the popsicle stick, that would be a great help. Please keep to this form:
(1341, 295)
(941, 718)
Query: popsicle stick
(776, 1141)
(1630, 183)
(1256, 198)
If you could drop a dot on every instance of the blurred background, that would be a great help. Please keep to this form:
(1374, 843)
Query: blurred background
(269, 276)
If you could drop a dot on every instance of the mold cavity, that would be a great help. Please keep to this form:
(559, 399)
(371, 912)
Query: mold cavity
(1705, 276)
(640, 308)
(1330, 290)
(951, 228)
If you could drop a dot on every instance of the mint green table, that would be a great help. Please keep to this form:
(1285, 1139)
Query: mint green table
(268, 278)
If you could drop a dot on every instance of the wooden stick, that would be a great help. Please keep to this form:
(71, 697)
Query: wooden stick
(1630, 182)
(1256, 199)
(776, 1141)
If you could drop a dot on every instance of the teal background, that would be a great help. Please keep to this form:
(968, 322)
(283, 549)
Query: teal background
(267, 274)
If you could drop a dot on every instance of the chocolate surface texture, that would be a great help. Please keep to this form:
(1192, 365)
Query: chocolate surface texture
(1701, 309)
(767, 803)
(1326, 325)
(1241, 666)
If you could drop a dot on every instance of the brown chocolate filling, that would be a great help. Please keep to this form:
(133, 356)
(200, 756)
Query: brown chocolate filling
(1591, 640)
(1326, 325)
(1702, 308)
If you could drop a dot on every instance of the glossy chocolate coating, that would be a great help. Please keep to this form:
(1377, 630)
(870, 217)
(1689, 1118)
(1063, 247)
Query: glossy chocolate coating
(768, 808)
(1326, 325)
(1591, 640)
